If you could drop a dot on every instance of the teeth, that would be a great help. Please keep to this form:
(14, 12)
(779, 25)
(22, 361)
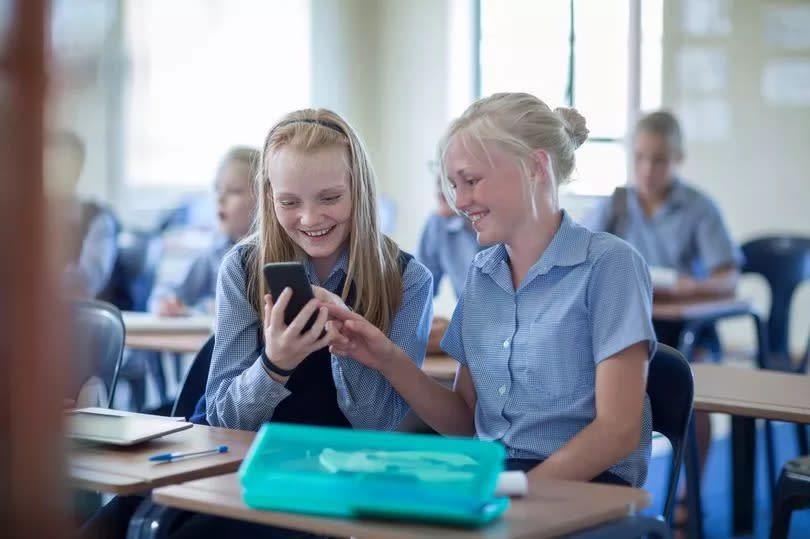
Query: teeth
(317, 233)
(473, 217)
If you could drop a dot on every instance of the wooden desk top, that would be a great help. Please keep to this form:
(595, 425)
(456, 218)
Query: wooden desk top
(183, 343)
(552, 508)
(698, 309)
(127, 470)
(752, 392)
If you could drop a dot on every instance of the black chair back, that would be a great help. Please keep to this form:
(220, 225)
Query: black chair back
(784, 262)
(671, 389)
(193, 386)
(98, 339)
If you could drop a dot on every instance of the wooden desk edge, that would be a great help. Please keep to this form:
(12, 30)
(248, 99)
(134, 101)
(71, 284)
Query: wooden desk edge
(196, 499)
(751, 409)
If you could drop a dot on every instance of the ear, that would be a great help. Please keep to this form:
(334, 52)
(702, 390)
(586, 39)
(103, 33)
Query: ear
(541, 162)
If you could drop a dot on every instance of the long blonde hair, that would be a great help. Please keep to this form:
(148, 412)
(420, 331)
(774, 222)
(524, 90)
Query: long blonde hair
(373, 266)
(520, 123)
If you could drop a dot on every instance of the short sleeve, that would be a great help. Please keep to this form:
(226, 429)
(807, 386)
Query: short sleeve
(619, 300)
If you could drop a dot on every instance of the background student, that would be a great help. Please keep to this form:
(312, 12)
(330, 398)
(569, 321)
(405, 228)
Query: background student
(674, 226)
(553, 329)
(446, 247)
(91, 252)
(236, 203)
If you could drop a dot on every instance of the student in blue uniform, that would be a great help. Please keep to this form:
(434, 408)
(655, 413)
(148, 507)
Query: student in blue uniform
(674, 226)
(316, 204)
(552, 331)
(236, 203)
(92, 248)
(446, 247)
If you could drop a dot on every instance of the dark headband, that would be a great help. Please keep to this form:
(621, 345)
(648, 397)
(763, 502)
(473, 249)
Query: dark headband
(326, 123)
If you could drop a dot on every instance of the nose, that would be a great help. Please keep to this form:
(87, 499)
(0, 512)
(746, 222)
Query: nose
(308, 216)
(463, 198)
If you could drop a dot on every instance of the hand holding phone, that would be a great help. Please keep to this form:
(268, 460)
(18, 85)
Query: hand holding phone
(295, 321)
(280, 275)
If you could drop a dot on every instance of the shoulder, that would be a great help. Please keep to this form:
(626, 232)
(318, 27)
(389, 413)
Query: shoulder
(415, 274)
(606, 251)
(235, 261)
(695, 199)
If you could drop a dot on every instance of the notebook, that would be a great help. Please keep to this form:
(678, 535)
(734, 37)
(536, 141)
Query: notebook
(112, 427)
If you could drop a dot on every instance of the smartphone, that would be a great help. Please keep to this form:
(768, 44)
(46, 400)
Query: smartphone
(280, 275)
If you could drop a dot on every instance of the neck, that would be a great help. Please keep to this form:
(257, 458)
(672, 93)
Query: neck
(652, 200)
(530, 242)
(324, 264)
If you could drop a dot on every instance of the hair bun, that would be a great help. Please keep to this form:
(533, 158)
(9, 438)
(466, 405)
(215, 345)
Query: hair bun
(574, 124)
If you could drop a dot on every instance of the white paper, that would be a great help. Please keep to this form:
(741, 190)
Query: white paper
(512, 484)
(702, 69)
(663, 277)
(786, 82)
(788, 27)
(706, 119)
(706, 17)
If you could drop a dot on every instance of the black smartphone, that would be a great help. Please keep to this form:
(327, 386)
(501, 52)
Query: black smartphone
(280, 275)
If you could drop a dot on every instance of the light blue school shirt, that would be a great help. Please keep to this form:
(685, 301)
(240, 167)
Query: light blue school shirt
(447, 246)
(533, 352)
(687, 232)
(199, 285)
(241, 395)
(98, 254)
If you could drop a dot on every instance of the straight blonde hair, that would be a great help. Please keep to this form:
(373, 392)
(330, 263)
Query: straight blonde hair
(373, 268)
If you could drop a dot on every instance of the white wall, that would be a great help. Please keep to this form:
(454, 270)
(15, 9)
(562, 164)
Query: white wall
(759, 173)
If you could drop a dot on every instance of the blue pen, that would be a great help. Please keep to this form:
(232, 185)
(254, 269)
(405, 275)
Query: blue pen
(168, 457)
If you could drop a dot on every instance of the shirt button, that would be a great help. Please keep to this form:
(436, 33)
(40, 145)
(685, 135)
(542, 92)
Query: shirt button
(502, 390)
(506, 343)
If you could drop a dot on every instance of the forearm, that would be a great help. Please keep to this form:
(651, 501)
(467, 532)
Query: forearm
(441, 408)
(596, 448)
(244, 401)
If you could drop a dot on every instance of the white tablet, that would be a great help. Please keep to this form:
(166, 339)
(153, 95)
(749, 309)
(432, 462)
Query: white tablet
(95, 425)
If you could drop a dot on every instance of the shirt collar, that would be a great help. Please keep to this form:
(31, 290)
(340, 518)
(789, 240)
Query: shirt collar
(568, 247)
(341, 268)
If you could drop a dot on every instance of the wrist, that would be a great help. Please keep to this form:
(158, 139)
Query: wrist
(279, 369)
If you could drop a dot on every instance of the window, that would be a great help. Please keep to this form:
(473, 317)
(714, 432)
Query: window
(204, 76)
(575, 53)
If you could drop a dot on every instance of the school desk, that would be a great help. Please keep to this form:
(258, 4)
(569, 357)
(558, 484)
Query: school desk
(552, 508)
(181, 334)
(127, 470)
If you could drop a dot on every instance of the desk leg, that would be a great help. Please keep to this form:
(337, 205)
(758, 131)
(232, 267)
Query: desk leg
(691, 461)
(151, 521)
(743, 440)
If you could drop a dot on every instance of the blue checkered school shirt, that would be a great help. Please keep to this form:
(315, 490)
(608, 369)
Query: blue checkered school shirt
(241, 395)
(687, 233)
(533, 352)
(447, 247)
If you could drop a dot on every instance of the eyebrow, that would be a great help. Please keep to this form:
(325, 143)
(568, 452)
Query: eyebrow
(337, 189)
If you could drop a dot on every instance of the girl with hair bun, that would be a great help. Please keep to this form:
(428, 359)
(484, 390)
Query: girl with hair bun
(553, 331)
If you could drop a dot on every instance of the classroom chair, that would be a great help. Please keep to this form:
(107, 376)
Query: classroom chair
(784, 262)
(670, 388)
(792, 492)
(98, 336)
(193, 385)
(98, 333)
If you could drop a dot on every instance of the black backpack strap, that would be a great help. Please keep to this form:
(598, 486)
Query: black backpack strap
(618, 211)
